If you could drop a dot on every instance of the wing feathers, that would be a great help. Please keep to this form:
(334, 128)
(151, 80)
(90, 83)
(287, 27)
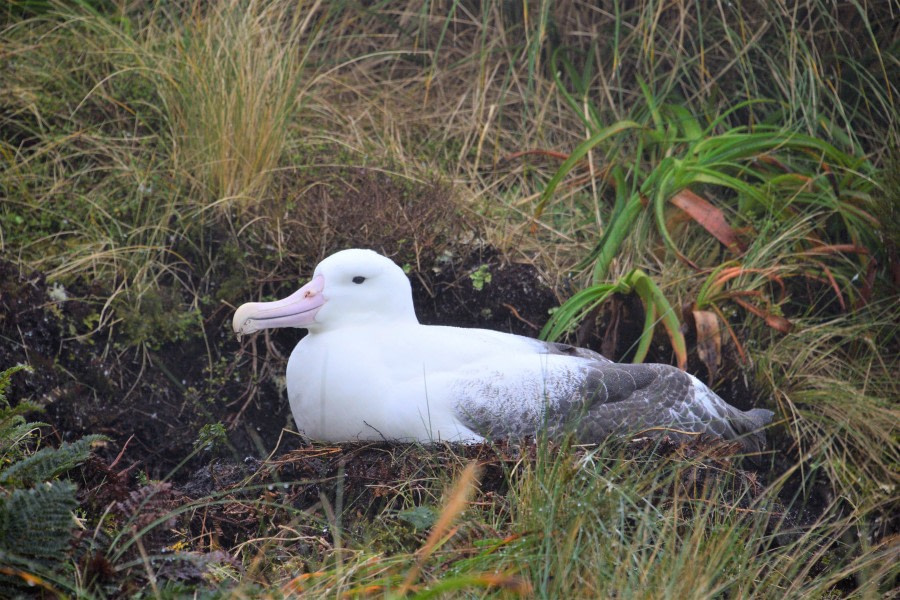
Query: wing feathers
(628, 398)
(580, 391)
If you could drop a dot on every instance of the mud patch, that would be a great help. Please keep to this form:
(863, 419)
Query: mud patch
(157, 399)
(481, 289)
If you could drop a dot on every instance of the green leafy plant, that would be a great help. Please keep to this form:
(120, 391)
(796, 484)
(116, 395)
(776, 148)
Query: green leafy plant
(480, 277)
(656, 309)
(212, 438)
(760, 173)
(36, 508)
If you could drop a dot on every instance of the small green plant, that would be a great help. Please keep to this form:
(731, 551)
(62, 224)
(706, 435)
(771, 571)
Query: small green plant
(480, 277)
(212, 438)
(159, 317)
(36, 507)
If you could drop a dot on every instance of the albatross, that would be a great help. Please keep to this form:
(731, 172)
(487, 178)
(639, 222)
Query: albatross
(368, 370)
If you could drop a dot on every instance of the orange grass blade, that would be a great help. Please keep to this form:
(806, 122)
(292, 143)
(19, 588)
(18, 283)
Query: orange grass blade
(709, 217)
(776, 322)
(458, 500)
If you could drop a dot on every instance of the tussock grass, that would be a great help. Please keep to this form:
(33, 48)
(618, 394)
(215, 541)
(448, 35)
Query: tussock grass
(234, 85)
(837, 385)
(123, 156)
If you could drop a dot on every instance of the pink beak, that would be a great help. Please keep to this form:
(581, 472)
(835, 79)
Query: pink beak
(297, 310)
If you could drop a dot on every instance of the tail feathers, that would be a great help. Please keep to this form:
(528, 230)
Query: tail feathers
(760, 417)
(749, 426)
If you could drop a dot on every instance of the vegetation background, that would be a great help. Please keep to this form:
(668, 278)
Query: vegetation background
(712, 184)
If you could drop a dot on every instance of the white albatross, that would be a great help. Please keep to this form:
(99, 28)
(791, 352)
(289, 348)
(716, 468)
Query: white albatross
(367, 370)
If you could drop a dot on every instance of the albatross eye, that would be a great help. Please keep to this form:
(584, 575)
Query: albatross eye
(359, 279)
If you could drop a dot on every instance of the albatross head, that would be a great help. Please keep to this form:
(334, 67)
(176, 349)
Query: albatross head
(350, 287)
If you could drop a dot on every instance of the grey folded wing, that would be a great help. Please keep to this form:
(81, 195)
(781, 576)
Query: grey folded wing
(580, 391)
(630, 398)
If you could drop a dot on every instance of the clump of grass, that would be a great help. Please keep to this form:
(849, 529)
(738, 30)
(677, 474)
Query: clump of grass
(232, 84)
(834, 379)
(147, 122)
(89, 196)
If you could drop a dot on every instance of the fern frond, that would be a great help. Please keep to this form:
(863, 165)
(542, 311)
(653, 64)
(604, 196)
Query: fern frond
(6, 379)
(48, 463)
(14, 435)
(36, 523)
(15, 431)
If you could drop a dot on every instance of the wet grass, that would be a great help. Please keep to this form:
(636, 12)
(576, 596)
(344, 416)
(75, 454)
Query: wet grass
(173, 161)
(642, 518)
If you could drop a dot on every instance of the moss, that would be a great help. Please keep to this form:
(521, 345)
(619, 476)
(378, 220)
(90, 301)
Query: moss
(159, 316)
(232, 277)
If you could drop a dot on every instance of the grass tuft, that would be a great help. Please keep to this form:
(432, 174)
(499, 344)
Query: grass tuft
(232, 84)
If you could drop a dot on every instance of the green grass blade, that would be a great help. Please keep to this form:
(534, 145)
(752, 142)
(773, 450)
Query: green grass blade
(647, 333)
(615, 234)
(577, 154)
(575, 308)
(647, 289)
